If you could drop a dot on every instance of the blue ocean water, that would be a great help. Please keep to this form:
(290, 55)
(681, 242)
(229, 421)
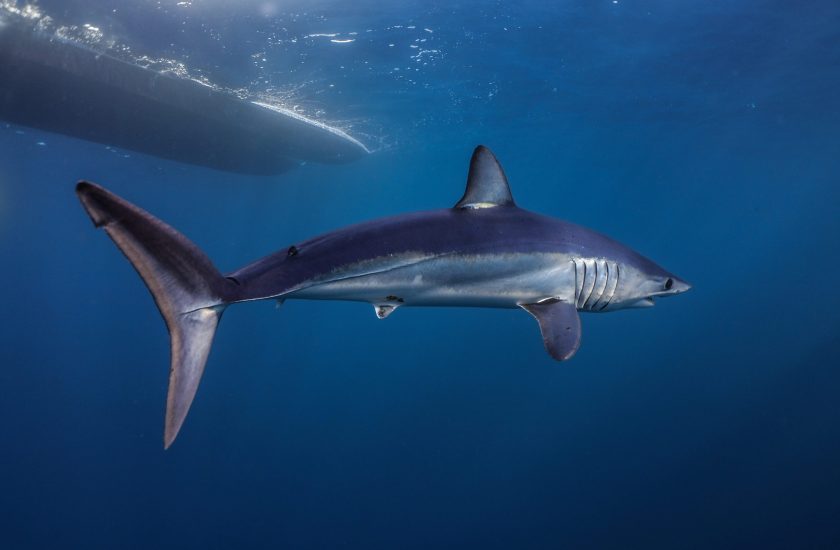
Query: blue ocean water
(702, 134)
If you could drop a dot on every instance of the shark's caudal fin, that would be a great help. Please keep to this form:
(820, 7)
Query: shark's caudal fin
(189, 291)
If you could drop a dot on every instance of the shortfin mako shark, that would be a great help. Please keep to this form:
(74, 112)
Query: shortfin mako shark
(485, 251)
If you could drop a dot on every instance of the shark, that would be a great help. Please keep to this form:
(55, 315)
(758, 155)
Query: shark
(483, 252)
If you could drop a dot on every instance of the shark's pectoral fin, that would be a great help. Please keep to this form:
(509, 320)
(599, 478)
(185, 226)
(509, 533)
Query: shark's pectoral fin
(487, 185)
(560, 326)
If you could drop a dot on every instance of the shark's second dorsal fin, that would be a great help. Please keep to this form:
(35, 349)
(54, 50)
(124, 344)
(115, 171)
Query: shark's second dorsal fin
(487, 185)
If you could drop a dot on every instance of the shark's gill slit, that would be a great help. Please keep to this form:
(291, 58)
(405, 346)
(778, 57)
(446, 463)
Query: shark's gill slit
(594, 284)
(580, 298)
(611, 292)
(588, 282)
(602, 286)
(601, 292)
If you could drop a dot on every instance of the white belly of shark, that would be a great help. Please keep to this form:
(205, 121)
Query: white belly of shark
(480, 280)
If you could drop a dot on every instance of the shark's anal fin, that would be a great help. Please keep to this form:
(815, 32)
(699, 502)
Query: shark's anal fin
(560, 326)
(487, 185)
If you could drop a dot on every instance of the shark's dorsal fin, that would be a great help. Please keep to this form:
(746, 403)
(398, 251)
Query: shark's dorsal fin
(487, 185)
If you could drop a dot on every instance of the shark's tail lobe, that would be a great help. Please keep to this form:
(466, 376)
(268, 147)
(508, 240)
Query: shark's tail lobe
(189, 291)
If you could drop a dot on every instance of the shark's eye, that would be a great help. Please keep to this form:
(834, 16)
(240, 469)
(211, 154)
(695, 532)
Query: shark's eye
(669, 283)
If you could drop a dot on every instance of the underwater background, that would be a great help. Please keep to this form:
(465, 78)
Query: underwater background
(705, 135)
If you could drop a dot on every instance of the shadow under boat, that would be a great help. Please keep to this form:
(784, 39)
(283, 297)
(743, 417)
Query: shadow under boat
(65, 87)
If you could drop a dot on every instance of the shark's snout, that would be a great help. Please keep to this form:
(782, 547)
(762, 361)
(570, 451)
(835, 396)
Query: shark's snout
(679, 286)
(672, 287)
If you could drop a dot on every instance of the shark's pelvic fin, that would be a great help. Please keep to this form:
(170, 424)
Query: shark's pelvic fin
(384, 310)
(190, 293)
(560, 326)
(487, 185)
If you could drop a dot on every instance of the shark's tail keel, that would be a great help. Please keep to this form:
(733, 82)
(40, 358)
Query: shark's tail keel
(189, 291)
